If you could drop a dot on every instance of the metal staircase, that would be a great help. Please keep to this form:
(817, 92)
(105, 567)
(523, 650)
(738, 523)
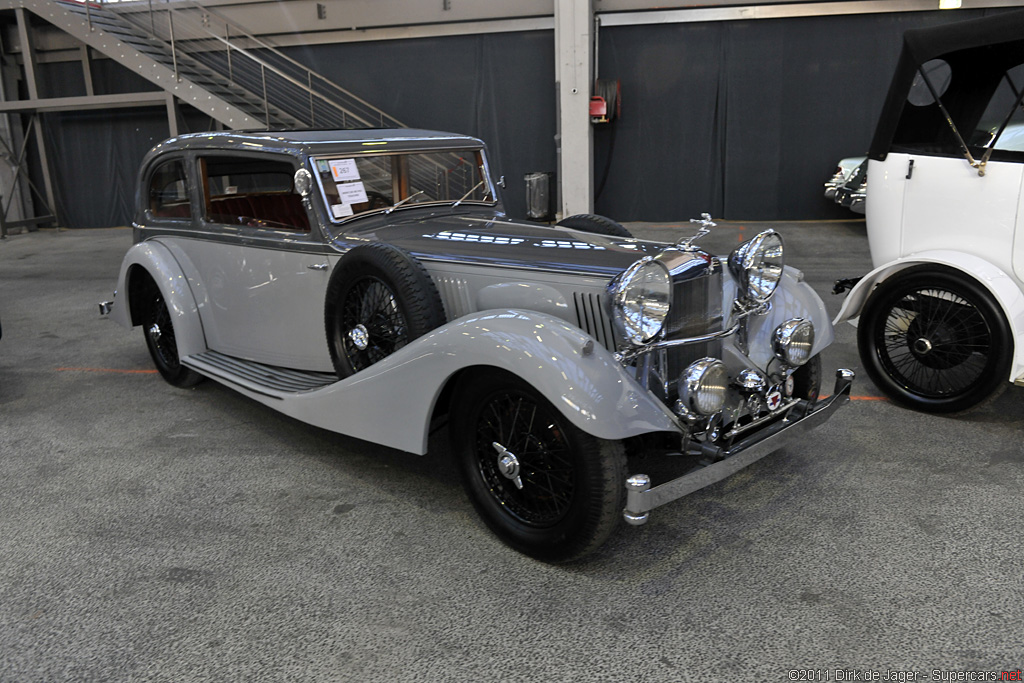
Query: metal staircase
(205, 60)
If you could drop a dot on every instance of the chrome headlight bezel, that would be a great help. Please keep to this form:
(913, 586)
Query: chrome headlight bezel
(641, 297)
(793, 341)
(758, 264)
(703, 386)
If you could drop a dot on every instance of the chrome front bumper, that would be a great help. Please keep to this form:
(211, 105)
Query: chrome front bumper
(641, 497)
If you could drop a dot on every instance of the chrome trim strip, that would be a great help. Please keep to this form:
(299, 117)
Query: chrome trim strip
(640, 498)
(307, 244)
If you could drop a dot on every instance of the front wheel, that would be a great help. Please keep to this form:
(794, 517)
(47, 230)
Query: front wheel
(542, 485)
(935, 340)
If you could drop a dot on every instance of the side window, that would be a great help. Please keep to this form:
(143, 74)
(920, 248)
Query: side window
(168, 191)
(251, 191)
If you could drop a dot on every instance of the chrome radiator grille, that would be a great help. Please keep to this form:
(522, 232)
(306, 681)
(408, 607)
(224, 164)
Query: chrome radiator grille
(696, 311)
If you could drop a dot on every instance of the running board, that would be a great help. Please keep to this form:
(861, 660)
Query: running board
(263, 379)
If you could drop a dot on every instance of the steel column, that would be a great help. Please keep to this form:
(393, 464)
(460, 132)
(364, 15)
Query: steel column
(574, 21)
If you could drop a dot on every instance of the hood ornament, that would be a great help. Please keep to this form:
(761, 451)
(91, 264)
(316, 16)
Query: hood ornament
(705, 224)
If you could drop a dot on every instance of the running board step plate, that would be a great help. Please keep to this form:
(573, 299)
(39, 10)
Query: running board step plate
(264, 379)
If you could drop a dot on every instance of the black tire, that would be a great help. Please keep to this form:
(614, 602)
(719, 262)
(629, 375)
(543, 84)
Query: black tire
(378, 300)
(161, 339)
(573, 484)
(599, 225)
(934, 340)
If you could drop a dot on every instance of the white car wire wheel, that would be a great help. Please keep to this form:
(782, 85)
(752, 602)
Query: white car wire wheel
(378, 300)
(934, 340)
(542, 485)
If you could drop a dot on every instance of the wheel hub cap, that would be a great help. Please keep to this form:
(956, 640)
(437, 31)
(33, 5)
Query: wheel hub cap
(360, 337)
(154, 332)
(508, 464)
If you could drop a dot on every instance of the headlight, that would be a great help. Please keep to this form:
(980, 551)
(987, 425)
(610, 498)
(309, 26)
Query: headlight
(792, 341)
(757, 264)
(702, 386)
(641, 297)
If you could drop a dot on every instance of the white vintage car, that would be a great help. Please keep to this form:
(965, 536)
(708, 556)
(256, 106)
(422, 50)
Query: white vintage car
(368, 282)
(941, 314)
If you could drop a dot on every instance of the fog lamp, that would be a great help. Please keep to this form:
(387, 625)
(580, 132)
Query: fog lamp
(702, 386)
(792, 341)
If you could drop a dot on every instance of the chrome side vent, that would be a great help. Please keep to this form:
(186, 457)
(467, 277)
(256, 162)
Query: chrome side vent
(591, 318)
(454, 295)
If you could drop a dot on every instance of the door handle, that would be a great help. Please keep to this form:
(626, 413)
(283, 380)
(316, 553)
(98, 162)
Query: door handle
(319, 266)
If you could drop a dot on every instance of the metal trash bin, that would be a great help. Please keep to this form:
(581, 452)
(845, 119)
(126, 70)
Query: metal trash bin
(540, 195)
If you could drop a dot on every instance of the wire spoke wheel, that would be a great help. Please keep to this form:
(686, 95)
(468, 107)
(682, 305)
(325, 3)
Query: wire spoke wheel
(160, 334)
(161, 340)
(935, 340)
(371, 324)
(515, 421)
(540, 483)
(378, 300)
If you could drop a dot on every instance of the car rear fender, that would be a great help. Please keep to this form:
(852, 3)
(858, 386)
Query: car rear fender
(1002, 287)
(393, 401)
(157, 261)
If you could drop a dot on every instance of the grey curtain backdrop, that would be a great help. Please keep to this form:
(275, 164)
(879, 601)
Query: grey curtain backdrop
(744, 119)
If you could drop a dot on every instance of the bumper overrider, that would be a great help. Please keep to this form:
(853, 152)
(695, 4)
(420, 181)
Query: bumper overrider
(785, 427)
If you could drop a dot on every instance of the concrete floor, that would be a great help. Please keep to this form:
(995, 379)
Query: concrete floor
(149, 533)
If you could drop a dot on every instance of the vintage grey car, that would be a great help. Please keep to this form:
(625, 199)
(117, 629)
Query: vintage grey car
(370, 283)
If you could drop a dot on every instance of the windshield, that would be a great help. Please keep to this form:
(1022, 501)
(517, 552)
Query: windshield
(352, 185)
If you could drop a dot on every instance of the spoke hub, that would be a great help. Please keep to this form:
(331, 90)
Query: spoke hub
(154, 332)
(359, 336)
(508, 464)
(922, 346)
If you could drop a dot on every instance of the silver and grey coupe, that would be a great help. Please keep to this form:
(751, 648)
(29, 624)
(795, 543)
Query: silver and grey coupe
(370, 283)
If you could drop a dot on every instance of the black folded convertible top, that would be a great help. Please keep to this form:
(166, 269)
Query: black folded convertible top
(978, 51)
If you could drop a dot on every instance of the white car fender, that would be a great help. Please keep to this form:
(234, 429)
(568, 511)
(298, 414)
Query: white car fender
(1004, 290)
(161, 265)
(392, 401)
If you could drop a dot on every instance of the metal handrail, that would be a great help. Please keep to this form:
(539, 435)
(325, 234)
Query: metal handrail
(201, 31)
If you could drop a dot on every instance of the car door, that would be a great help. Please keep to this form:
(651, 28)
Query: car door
(261, 272)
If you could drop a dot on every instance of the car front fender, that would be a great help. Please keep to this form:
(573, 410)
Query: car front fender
(793, 298)
(161, 265)
(1001, 286)
(392, 402)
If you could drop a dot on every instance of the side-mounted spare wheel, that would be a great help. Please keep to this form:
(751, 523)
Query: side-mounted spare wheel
(935, 340)
(378, 300)
(150, 310)
(542, 485)
(598, 225)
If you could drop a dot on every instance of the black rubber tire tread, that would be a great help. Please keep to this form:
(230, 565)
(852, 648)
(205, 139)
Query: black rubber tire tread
(154, 309)
(992, 379)
(415, 293)
(599, 225)
(599, 468)
(807, 380)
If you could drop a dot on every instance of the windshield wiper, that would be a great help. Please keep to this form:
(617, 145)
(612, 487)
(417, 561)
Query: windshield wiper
(471, 191)
(412, 196)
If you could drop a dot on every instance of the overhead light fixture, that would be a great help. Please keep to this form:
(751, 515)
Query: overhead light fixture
(949, 4)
